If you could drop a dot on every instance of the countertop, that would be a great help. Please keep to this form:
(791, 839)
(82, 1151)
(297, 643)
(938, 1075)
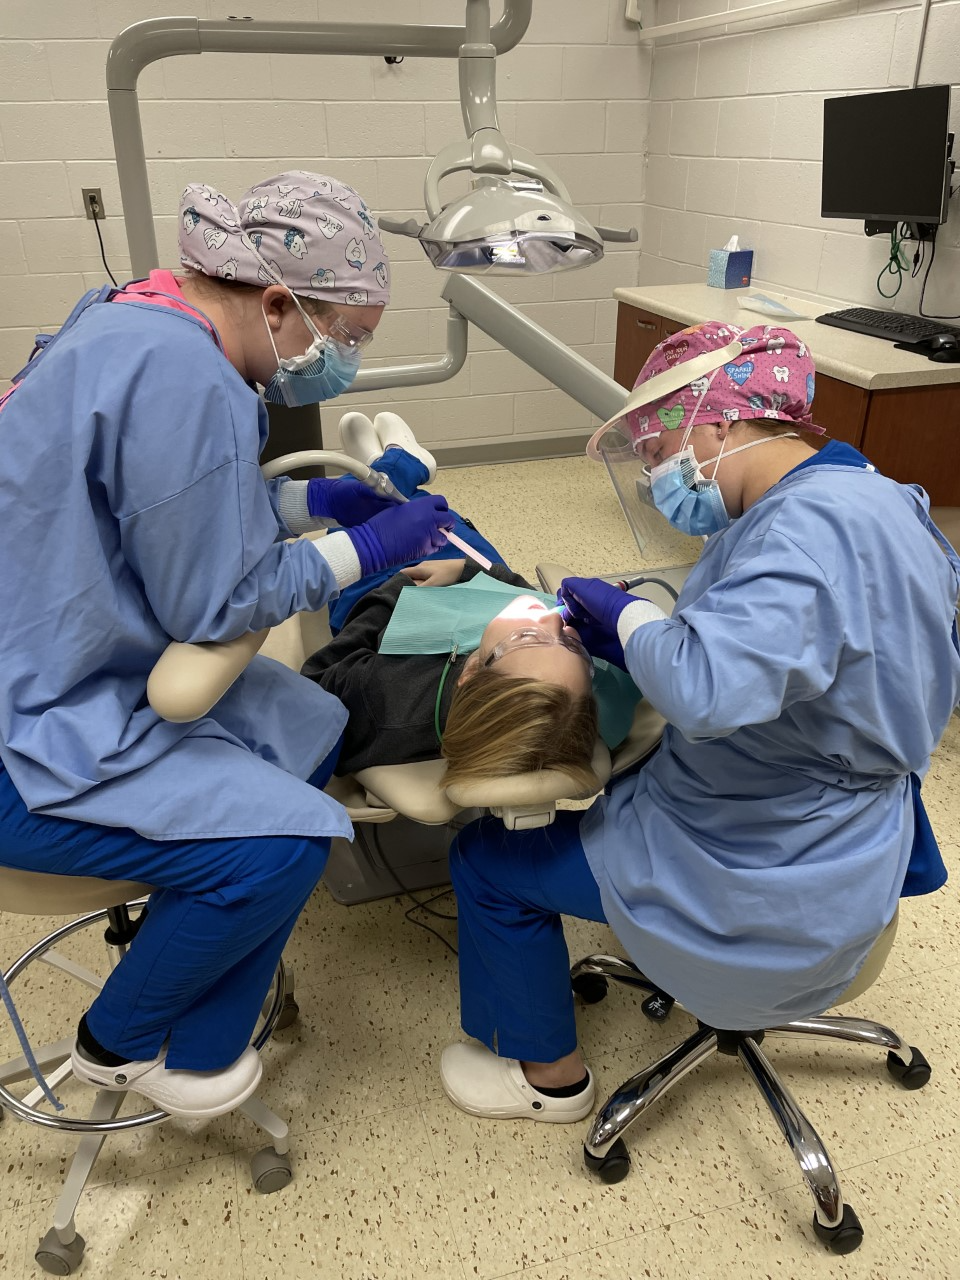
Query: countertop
(872, 363)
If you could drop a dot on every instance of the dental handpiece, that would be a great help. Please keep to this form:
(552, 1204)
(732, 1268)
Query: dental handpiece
(382, 484)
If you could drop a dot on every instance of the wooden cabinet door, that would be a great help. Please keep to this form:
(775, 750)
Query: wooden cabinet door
(912, 434)
(638, 332)
(841, 408)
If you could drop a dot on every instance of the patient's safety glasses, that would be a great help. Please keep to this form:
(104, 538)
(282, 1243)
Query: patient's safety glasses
(531, 637)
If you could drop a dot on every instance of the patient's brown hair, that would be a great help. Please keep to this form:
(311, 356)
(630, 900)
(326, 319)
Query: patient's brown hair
(501, 725)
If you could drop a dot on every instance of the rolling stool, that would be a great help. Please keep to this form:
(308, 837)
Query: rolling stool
(604, 1151)
(29, 893)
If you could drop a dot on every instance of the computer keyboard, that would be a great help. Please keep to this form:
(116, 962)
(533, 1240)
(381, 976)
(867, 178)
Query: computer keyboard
(892, 325)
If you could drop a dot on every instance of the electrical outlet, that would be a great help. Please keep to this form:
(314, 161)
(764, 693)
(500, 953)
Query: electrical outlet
(93, 203)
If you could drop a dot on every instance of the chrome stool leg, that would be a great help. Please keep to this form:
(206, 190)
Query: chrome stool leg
(836, 1223)
(905, 1062)
(604, 1151)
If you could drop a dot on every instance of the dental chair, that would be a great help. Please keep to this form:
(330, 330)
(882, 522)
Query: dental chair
(32, 984)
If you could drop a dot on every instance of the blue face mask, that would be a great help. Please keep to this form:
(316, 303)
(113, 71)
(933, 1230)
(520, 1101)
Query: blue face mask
(691, 503)
(681, 492)
(324, 371)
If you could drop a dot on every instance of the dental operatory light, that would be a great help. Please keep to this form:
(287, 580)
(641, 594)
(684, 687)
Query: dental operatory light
(517, 218)
(503, 227)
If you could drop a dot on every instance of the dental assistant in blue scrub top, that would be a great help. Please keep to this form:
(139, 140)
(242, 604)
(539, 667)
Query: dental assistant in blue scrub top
(133, 512)
(806, 675)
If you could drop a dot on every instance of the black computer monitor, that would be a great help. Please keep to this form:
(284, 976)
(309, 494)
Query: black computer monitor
(885, 155)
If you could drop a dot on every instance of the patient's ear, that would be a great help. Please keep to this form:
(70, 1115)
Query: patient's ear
(470, 667)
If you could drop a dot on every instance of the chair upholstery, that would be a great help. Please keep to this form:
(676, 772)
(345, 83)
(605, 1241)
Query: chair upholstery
(835, 1223)
(36, 893)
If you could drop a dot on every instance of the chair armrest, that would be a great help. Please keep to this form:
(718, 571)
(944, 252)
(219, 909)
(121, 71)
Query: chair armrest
(188, 679)
(551, 575)
(645, 733)
(360, 806)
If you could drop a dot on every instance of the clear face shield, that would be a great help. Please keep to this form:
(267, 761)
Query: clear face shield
(618, 444)
(659, 543)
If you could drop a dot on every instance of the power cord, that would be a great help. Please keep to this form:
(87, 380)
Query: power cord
(896, 263)
(926, 276)
(377, 855)
(95, 206)
(933, 254)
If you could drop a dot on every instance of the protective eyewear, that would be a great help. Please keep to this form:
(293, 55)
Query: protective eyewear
(533, 637)
(349, 335)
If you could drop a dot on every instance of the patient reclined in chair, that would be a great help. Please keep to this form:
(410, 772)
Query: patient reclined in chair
(505, 687)
(533, 743)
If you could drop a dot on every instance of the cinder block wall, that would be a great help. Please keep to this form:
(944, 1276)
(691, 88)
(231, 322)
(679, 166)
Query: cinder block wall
(735, 140)
(575, 91)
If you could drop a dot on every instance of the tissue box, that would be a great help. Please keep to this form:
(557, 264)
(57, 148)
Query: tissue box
(730, 268)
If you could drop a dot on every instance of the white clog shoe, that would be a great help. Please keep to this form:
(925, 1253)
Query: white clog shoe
(197, 1095)
(392, 430)
(480, 1083)
(358, 437)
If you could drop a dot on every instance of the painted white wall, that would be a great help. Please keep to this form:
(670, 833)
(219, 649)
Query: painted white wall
(575, 91)
(735, 140)
(694, 139)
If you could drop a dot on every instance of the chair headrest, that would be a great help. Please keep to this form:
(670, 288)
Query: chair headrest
(417, 790)
(532, 788)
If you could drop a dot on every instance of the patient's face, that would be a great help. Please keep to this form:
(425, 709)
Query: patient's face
(553, 663)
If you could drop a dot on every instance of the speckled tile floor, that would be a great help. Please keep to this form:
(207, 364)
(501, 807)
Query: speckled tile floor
(392, 1183)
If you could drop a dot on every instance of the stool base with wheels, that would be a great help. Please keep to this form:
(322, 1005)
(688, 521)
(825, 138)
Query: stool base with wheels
(604, 1151)
(61, 1249)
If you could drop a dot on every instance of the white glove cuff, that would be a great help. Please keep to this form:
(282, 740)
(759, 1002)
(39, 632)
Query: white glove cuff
(634, 616)
(292, 504)
(341, 555)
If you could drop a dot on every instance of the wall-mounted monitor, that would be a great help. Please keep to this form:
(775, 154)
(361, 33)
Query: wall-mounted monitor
(885, 156)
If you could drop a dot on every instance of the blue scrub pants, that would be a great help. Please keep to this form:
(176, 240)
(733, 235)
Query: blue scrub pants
(203, 959)
(512, 887)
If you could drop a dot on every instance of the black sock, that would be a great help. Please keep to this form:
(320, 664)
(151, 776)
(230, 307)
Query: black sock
(565, 1091)
(92, 1048)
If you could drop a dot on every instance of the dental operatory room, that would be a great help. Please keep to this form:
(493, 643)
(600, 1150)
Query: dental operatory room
(479, 654)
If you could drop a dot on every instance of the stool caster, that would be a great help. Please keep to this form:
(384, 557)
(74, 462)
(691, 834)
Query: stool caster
(289, 1014)
(270, 1171)
(614, 1166)
(57, 1258)
(913, 1074)
(590, 987)
(844, 1238)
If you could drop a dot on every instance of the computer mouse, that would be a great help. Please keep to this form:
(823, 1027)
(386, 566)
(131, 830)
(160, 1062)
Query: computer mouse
(942, 342)
(946, 355)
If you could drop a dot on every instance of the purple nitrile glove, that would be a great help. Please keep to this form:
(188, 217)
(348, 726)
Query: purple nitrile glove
(593, 607)
(345, 500)
(407, 531)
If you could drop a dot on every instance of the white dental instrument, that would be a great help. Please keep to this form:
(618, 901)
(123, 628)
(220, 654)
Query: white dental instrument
(467, 550)
(382, 484)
